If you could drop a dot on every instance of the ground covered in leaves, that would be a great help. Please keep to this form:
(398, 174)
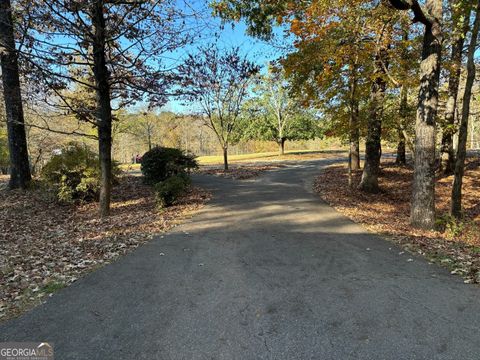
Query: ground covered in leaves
(239, 172)
(45, 245)
(3, 181)
(456, 244)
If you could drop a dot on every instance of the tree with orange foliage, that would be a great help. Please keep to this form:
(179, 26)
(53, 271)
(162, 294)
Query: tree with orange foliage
(340, 63)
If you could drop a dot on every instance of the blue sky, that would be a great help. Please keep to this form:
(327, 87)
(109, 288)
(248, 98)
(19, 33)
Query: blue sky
(198, 15)
(232, 35)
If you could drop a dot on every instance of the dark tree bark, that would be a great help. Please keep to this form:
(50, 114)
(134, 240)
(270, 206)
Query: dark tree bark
(423, 197)
(354, 136)
(447, 148)
(456, 205)
(104, 110)
(281, 146)
(402, 140)
(401, 158)
(20, 175)
(422, 213)
(373, 151)
(447, 151)
(225, 158)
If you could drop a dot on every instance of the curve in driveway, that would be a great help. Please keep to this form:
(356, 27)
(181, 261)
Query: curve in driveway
(265, 271)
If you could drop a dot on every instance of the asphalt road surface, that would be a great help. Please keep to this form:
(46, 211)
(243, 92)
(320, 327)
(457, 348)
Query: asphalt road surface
(265, 271)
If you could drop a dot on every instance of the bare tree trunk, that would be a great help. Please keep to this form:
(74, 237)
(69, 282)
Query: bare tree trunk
(225, 158)
(281, 146)
(20, 175)
(447, 151)
(403, 111)
(355, 144)
(354, 152)
(447, 148)
(456, 205)
(104, 110)
(472, 136)
(149, 138)
(350, 176)
(423, 197)
(401, 158)
(373, 152)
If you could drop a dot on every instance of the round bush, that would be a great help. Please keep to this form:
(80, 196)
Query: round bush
(160, 163)
(75, 173)
(169, 190)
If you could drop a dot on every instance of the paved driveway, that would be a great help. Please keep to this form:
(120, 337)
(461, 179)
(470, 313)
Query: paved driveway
(265, 271)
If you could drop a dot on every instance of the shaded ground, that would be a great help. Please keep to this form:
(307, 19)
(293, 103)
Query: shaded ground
(45, 246)
(265, 271)
(456, 245)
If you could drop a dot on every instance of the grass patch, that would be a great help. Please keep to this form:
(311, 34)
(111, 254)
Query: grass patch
(53, 286)
(293, 155)
(266, 156)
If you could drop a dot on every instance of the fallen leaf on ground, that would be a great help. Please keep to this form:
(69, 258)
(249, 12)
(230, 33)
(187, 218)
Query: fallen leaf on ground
(388, 213)
(45, 245)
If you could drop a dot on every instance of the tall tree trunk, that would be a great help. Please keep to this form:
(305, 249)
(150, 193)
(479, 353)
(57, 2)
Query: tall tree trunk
(20, 175)
(225, 157)
(456, 205)
(373, 151)
(355, 142)
(472, 135)
(281, 146)
(404, 120)
(401, 158)
(447, 151)
(423, 196)
(104, 110)
(403, 112)
(354, 136)
(447, 148)
(149, 140)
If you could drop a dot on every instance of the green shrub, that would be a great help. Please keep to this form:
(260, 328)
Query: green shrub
(169, 190)
(465, 228)
(450, 225)
(75, 173)
(160, 163)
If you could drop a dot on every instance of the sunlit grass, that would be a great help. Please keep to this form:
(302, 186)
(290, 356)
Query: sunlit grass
(129, 167)
(254, 157)
(265, 156)
(217, 159)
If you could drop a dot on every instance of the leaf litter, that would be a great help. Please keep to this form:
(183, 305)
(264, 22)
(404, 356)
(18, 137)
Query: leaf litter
(45, 245)
(454, 245)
